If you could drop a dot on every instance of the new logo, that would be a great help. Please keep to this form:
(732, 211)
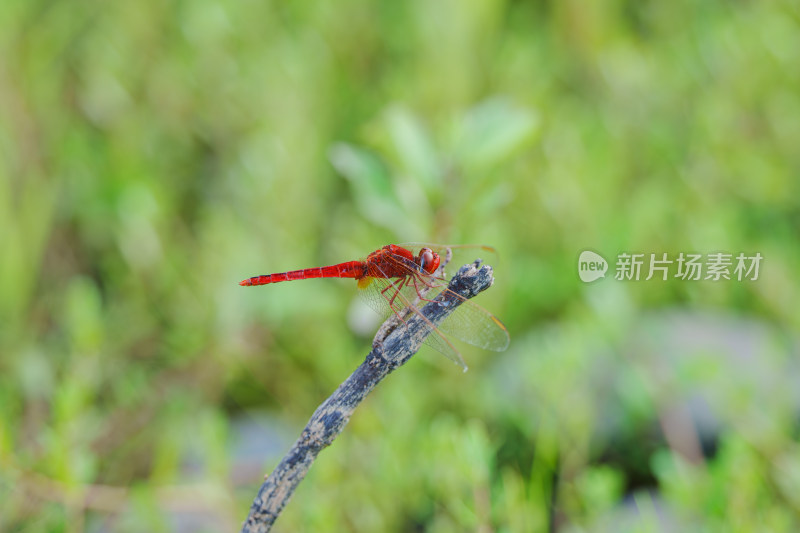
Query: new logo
(591, 266)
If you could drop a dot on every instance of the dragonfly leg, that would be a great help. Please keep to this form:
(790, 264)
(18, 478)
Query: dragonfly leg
(399, 282)
(396, 285)
(430, 284)
(419, 291)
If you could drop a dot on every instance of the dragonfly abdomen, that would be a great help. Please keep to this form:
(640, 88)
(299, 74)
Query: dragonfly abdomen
(351, 269)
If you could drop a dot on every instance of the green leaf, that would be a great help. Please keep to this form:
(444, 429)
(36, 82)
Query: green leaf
(493, 131)
(372, 186)
(414, 147)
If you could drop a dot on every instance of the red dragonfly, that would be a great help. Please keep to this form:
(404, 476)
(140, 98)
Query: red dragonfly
(402, 276)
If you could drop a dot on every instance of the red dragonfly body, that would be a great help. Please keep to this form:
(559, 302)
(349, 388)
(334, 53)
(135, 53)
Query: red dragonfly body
(393, 279)
(391, 261)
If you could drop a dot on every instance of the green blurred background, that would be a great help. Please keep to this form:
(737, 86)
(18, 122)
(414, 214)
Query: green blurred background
(154, 154)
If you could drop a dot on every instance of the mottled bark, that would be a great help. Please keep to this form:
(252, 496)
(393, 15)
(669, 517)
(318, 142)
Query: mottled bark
(394, 344)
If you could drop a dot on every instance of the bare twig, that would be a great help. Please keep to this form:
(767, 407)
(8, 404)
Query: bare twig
(392, 347)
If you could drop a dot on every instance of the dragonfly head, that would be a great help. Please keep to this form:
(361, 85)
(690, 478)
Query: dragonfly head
(428, 260)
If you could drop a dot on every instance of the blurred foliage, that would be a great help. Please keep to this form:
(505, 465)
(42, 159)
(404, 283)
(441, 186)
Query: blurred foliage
(153, 154)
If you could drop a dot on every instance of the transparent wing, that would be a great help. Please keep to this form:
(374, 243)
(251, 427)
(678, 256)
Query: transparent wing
(475, 325)
(460, 254)
(439, 248)
(386, 297)
(469, 322)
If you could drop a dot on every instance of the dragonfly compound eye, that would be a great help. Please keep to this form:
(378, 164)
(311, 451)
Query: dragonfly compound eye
(428, 260)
